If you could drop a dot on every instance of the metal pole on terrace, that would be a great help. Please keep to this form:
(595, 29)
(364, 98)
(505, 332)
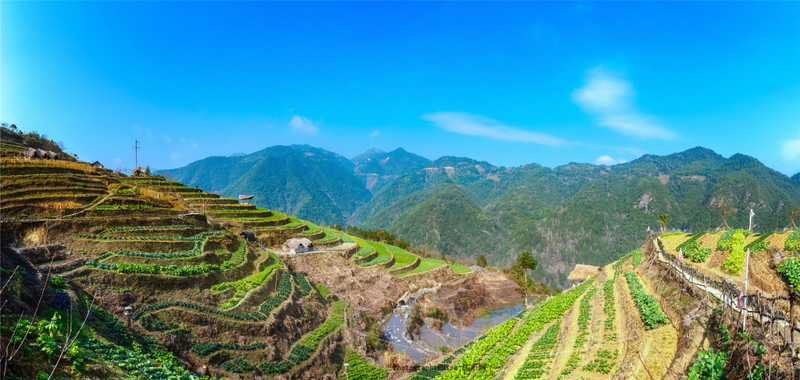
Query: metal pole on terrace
(136, 148)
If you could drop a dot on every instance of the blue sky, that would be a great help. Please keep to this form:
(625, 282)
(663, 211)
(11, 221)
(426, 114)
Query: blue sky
(510, 83)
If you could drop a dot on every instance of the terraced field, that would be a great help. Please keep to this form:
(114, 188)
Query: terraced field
(632, 320)
(184, 278)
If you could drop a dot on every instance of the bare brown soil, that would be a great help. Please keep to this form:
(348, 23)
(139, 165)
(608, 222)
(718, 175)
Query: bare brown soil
(464, 296)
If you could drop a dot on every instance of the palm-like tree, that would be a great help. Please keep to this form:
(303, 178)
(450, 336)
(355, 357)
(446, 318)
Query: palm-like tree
(793, 215)
(663, 218)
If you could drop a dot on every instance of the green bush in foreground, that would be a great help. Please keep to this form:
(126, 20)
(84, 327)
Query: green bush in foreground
(790, 269)
(709, 365)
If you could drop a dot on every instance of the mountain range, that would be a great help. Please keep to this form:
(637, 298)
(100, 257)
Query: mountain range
(570, 214)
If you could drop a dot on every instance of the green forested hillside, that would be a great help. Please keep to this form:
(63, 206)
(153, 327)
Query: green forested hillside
(377, 168)
(575, 213)
(298, 179)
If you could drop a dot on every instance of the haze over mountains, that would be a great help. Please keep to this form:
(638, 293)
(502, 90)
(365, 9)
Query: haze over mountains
(575, 213)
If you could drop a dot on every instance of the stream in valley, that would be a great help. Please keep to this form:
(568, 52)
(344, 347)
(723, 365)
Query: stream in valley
(451, 336)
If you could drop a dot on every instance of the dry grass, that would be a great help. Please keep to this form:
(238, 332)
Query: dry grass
(583, 272)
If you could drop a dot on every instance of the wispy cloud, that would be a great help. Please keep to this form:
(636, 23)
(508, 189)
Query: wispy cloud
(608, 160)
(375, 133)
(301, 124)
(790, 150)
(476, 125)
(609, 99)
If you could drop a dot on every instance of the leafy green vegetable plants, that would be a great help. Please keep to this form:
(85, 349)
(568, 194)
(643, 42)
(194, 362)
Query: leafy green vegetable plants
(651, 313)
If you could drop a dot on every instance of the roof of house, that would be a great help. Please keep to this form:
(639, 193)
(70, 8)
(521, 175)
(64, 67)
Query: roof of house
(294, 243)
(243, 197)
(583, 272)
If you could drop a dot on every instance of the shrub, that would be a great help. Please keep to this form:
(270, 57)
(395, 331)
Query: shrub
(793, 241)
(709, 365)
(790, 269)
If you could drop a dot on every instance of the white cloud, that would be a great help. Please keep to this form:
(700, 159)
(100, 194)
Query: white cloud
(175, 156)
(117, 161)
(475, 125)
(608, 160)
(138, 129)
(610, 100)
(375, 133)
(167, 139)
(790, 150)
(301, 124)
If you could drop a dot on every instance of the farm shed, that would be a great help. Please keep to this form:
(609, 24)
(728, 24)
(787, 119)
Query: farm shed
(138, 171)
(583, 272)
(97, 165)
(248, 235)
(299, 245)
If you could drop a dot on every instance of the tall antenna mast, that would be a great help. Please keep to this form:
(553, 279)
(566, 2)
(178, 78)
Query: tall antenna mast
(136, 148)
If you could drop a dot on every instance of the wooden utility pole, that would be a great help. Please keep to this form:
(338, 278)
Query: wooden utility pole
(136, 148)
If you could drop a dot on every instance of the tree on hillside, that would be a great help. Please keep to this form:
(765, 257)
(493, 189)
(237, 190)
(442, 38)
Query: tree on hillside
(725, 210)
(482, 261)
(793, 215)
(525, 262)
(663, 218)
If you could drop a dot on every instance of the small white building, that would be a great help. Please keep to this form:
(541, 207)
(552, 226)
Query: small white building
(299, 245)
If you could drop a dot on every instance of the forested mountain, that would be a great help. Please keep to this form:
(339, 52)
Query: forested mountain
(377, 168)
(575, 213)
(297, 179)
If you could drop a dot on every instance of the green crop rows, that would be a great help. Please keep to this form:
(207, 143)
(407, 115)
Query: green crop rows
(246, 284)
(171, 270)
(734, 263)
(534, 321)
(603, 363)
(793, 242)
(541, 354)
(203, 349)
(759, 244)
(252, 316)
(692, 249)
(303, 287)
(303, 350)
(284, 291)
(323, 290)
(651, 313)
(465, 366)
(610, 310)
(790, 269)
(358, 369)
(237, 365)
(583, 331)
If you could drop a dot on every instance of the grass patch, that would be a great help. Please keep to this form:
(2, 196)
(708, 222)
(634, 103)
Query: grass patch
(425, 265)
(460, 269)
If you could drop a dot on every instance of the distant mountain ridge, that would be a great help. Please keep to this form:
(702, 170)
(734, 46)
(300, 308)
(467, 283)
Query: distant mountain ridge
(574, 213)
